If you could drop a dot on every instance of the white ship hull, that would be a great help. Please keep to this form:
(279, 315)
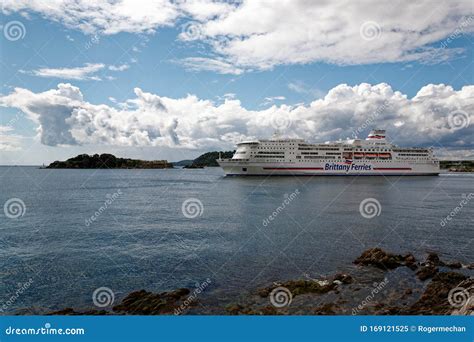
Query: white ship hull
(232, 168)
(374, 156)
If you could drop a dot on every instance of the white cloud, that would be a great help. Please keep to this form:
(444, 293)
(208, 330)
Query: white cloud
(248, 35)
(9, 142)
(65, 118)
(85, 72)
(121, 67)
(209, 64)
(107, 17)
(205, 9)
(263, 34)
(302, 88)
(271, 99)
(5, 129)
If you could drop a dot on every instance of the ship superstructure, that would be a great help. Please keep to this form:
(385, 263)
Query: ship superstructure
(372, 156)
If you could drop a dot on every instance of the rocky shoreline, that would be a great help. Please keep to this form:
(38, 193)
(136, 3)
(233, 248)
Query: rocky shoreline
(382, 283)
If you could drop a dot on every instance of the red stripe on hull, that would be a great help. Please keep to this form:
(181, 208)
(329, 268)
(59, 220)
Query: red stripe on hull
(393, 168)
(293, 168)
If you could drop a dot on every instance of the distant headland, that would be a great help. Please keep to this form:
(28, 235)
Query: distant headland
(208, 159)
(457, 165)
(108, 161)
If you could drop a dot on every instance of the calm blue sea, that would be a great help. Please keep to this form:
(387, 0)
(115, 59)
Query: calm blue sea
(126, 230)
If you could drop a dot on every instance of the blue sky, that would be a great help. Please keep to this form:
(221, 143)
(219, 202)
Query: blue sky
(210, 74)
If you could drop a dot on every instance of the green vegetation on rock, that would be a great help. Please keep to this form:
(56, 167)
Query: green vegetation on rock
(209, 159)
(457, 165)
(107, 161)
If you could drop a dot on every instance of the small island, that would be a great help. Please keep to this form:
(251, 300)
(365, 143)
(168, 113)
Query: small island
(108, 161)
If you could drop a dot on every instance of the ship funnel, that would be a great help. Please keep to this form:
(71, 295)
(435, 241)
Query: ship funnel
(376, 134)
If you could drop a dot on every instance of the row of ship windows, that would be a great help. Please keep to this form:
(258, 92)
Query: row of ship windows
(257, 156)
(332, 157)
(310, 147)
(338, 153)
(346, 150)
(338, 149)
(265, 152)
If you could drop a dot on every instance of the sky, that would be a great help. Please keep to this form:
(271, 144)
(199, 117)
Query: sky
(170, 80)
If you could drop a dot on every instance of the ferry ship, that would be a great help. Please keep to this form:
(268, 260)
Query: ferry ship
(374, 156)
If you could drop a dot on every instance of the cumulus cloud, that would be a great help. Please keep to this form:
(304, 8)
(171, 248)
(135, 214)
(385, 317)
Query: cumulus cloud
(249, 35)
(85, 72)
(437, 116)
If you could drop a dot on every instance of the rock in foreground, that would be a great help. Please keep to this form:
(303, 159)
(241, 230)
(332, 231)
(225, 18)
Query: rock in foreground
(148, 303)
(379, 258)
